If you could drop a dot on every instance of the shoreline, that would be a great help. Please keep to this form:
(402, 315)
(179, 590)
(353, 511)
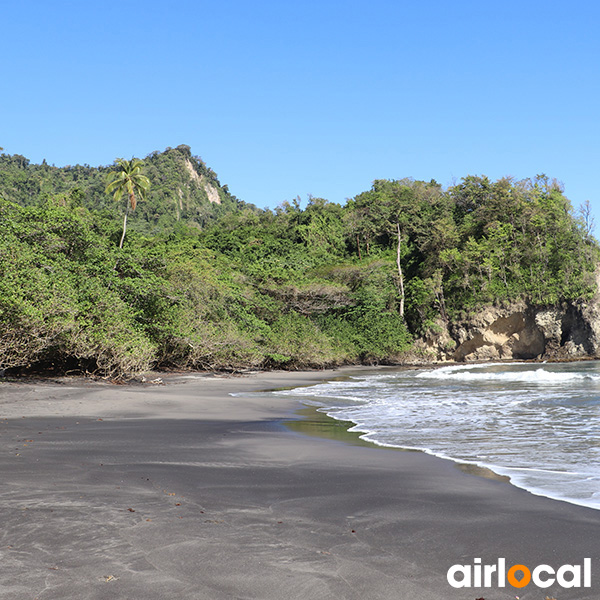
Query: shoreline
(184, 491)
(319, 410)
(315, 422)
(145, 377)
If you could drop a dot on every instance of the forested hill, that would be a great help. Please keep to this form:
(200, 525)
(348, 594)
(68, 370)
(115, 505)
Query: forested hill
(182, 188)
(203, 285)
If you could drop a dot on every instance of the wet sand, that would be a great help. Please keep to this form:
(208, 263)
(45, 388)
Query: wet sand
(181, 491)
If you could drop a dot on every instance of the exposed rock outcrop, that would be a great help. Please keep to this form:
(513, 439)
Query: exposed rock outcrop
(211, 192)
(518, 331)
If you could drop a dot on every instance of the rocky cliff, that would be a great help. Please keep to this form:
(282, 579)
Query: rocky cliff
(518, 331)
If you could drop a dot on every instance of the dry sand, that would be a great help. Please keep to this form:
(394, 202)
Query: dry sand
(181, 491)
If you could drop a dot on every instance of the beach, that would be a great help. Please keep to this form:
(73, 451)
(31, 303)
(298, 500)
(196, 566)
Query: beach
(181, 491)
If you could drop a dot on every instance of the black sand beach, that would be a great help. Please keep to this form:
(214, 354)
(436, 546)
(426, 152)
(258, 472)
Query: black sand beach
(180, 491)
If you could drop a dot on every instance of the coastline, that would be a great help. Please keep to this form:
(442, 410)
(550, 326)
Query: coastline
(183, 491)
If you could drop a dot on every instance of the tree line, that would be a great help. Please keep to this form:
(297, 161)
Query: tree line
(242, 287)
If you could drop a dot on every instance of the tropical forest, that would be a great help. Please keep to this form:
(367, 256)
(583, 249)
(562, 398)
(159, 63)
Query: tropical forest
(153, 264)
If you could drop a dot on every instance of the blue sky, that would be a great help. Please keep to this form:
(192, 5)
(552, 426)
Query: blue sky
(310, 97)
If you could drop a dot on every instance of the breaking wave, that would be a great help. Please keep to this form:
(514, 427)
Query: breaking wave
(538, 424)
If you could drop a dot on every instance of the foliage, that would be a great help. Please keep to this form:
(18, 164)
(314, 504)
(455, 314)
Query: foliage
(201, 285)
(127, 181)
(183, 188)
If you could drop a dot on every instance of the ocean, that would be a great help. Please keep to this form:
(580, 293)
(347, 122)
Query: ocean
(538, 424)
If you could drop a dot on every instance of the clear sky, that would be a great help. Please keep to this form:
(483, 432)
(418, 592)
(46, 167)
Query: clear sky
(313, 97)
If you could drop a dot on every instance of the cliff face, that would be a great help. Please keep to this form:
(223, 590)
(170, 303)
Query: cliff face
(519, 331)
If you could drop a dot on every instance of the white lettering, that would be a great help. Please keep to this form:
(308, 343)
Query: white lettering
(587, 572)
(501, 572)
(543, 583)
(575, 570)
(542, 576)
(466, 572)
(477, 573)
(487, 578)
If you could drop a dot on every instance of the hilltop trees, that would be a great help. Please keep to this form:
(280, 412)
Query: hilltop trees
(183, 189)
(403, 215)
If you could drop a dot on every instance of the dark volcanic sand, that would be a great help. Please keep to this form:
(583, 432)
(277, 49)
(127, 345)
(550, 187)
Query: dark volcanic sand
(180, 491)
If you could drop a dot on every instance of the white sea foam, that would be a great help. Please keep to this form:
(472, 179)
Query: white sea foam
(540, 425)
(540, 375)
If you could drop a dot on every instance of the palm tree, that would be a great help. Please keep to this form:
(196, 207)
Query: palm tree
(130, 181)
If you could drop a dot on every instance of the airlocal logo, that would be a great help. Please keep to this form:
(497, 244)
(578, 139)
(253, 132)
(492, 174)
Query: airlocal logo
(543, 576)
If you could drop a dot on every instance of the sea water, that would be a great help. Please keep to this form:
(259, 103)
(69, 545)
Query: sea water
(539, 424)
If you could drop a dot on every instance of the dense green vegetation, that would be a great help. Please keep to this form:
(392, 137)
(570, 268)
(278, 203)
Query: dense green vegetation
(206, 285)
(183, 188)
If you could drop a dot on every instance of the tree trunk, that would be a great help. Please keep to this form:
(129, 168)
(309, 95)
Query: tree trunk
(442, 301)
(124, 226)
(400, 275)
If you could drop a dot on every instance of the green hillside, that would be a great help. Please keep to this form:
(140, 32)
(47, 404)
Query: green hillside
(183, 188)
(204, 281)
